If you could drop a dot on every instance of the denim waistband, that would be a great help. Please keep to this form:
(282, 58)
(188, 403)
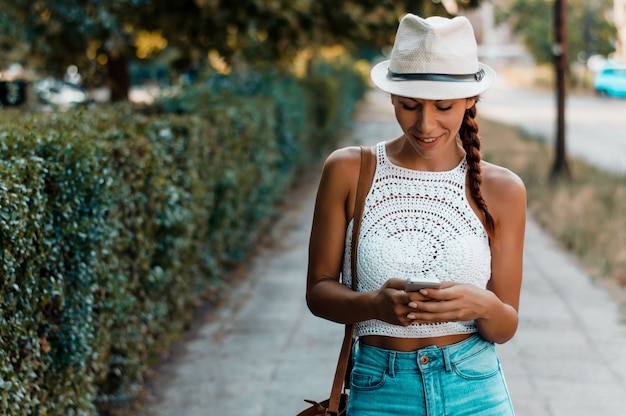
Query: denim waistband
(424, 359)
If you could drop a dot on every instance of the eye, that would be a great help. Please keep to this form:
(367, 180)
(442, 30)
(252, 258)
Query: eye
(409, 107)
(444, 107)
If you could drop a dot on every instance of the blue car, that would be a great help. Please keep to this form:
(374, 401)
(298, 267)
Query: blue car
(611, 80)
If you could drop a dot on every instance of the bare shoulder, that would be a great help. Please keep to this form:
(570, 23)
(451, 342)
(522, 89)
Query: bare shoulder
(344, 164)
(339, 180)
(341, 169)
(344, 156)
(501, 180)
(501, 188)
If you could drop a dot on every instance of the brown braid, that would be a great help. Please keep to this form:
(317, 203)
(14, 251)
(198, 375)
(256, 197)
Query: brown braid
(471, 144)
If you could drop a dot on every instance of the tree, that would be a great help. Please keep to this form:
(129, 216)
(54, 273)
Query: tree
(98, 36)
(589, 31)
(270, 32)
(91, 35)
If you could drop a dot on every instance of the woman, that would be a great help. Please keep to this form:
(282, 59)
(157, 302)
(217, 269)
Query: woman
(437, 212)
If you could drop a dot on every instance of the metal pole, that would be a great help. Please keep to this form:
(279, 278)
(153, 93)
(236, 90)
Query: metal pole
(560, 167)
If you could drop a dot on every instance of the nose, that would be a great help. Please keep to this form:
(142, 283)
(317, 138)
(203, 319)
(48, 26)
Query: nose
(426, 118)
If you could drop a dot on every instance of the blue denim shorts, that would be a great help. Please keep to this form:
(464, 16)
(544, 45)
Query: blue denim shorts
(459, 379)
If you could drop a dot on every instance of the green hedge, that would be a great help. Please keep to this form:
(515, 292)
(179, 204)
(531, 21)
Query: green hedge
(114, 223)
(52, 224)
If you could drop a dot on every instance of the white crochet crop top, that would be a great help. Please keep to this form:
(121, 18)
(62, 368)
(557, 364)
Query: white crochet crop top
(417, 223)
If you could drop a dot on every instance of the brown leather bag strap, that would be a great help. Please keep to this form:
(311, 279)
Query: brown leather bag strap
(366, 176)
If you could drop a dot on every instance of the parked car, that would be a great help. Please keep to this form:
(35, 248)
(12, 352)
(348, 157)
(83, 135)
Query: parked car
(59, 93)
(611, 80)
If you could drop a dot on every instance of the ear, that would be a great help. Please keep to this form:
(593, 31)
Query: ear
(469, 102)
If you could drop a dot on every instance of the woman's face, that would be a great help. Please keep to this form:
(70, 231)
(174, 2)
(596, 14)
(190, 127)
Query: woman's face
(431, 126)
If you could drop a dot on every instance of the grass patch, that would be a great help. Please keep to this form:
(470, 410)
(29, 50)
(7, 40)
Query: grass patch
(586, 215)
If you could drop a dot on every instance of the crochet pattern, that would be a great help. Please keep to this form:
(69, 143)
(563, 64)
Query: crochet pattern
(418, 223)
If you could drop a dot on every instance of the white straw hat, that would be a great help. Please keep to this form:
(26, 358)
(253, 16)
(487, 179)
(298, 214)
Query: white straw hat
(434, 59)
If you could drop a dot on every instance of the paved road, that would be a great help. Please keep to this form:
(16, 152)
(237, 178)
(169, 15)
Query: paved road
(265, 352)
(595, 126)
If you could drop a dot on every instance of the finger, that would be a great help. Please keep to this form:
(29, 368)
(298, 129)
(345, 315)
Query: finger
(444, 293)
(422, 310)
(416, 297)
(429, 293)
(415, 304)
(430, 307)
(440, 312)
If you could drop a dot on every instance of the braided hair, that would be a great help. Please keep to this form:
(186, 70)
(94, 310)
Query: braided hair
(471, 144)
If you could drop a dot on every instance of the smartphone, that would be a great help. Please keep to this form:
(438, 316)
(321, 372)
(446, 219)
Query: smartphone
(413, 285)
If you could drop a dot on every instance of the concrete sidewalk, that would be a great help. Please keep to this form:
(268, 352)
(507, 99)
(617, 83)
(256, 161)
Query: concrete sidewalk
(266, 352)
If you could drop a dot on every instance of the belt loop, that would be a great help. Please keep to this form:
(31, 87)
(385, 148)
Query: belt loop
(446, 359)
(392, 364)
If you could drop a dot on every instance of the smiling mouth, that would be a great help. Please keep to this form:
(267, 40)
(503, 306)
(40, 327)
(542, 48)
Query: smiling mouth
(425, 139)
(428, 139)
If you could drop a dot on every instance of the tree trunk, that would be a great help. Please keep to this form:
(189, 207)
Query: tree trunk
(118, 77)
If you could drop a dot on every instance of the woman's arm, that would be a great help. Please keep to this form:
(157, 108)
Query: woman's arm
(334, 207)
(505, 195)
(494, 309)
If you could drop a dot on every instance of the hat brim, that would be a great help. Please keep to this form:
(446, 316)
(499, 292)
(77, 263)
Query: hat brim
(431, 90)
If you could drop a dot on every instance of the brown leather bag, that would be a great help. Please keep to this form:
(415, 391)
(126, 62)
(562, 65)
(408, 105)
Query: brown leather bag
(338, 401)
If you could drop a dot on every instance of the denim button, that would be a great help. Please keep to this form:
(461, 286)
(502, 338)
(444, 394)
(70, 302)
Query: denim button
(424, 360)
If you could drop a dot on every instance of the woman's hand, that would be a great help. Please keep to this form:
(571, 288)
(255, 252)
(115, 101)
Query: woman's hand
(451, 303)
(392, 303)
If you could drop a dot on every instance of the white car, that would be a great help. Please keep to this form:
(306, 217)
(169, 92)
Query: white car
(59, 93)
